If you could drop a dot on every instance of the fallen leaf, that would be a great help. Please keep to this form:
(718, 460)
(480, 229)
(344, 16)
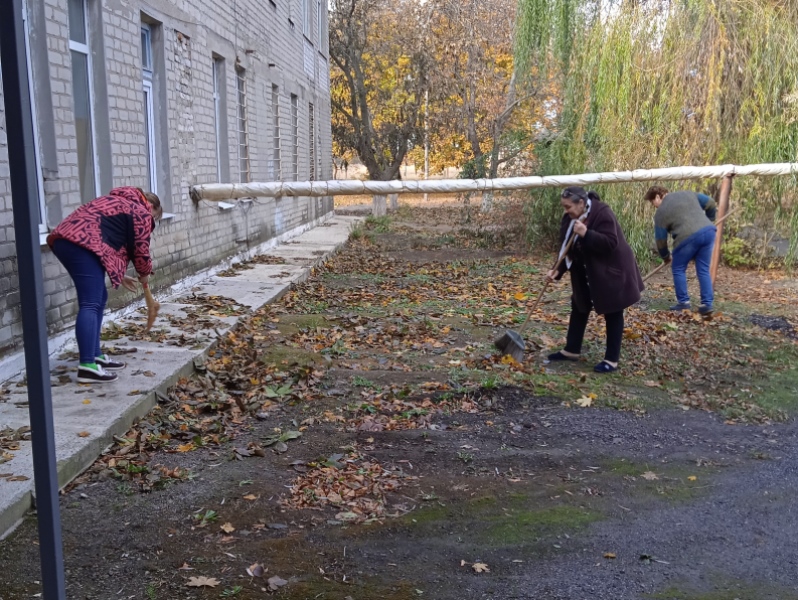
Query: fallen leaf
(275, 583)
(256, 570)
(185, 447)
(202, 581)
(692, 478)
(18, 478)
(87, 401)
(584, 401)
(227, 528)
(609, 555)
(84, 434)
(649, 476)
(185, 567)
(250, 497)
(480, 567)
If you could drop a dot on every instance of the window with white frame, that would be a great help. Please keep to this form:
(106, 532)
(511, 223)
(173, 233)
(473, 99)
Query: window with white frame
(276, 168)
(82, 97)
(218, 111)
(36, 147)
(294, 137)
(321, 33)
(149, 107)
(243, 134)
(306, 17)
(311, 143)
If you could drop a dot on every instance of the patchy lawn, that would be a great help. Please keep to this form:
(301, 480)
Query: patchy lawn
(362, 439)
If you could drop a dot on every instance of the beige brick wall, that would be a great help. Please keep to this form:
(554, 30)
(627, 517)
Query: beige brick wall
(257, 36)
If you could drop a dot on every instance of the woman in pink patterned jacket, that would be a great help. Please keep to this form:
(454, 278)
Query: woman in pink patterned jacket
(100, 237)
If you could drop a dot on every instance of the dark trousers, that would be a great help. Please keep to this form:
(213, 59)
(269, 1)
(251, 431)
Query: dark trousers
(88, 274)
(576, 333)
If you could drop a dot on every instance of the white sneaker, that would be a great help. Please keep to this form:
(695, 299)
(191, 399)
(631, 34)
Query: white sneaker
(99, 375)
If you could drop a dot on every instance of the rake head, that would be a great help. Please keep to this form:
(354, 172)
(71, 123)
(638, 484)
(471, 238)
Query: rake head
(512, 344)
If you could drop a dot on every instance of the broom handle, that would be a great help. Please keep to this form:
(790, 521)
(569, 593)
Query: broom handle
(659, 268)
(546, 285)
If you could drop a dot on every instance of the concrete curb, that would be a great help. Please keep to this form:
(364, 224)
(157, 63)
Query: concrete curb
(103, 418)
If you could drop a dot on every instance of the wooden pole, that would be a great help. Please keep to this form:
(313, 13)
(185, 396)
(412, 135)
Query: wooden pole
(723, 208)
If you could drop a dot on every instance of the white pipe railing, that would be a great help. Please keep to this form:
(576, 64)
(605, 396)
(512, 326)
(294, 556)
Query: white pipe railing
(277, 189)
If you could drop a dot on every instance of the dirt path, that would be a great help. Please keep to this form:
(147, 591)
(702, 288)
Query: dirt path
(360, 440)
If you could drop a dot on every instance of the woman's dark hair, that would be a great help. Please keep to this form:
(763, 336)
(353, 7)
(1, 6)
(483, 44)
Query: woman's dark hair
(654, 191)
(576, 194)
(154, 201)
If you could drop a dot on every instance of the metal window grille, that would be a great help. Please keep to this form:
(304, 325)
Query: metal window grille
(243, 133)
(276, 168)
(295, 137)
(311, 143)
(218, 79)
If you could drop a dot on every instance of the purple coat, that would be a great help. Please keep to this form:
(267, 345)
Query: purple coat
(604, 272)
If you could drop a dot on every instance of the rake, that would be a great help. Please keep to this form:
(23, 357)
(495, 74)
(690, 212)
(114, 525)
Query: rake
(512, 343)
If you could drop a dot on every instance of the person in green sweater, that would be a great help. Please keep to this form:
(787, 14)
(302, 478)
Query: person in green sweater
(688, 217)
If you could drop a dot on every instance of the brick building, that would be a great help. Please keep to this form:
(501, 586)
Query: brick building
(165, 94)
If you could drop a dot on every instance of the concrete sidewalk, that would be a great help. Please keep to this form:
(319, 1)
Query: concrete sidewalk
(88, 416)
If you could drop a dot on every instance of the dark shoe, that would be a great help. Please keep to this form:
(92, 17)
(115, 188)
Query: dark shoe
(560, 356)
(704, 310)
(109, 364)
(681, 306)
(604, 367)
(98, 375)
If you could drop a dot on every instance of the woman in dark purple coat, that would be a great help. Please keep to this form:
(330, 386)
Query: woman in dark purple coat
(604, 273)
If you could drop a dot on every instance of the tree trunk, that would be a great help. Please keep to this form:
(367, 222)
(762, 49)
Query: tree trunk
(487, 202)
(379, 209)
(394, 198)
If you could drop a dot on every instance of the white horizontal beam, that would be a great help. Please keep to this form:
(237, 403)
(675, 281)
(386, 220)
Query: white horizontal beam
(228, 191)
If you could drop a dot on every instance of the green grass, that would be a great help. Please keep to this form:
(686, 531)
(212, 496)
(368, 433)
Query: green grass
(518, 526)
(733, 591)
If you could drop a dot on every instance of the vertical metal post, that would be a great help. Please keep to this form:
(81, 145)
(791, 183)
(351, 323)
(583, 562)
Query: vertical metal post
(723, 208)
(19, 128)
(426, 139)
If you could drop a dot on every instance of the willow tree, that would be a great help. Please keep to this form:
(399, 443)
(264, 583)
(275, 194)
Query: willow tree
(652, 84)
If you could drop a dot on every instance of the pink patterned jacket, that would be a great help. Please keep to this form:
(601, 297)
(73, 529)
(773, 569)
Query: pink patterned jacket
(116, 227)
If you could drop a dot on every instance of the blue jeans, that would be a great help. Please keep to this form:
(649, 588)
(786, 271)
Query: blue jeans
(88, 274)
(699, 247)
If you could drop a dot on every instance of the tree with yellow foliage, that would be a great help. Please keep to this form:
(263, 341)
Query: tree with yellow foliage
(378, 81)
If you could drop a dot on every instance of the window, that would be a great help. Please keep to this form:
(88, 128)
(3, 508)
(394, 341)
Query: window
(275, 170)
(36, 149)
(149, 107)
(243, 135)
(321, 34)
(311, 144)
(218, 112)
(306, 14)
(82, 95)
(294, 137)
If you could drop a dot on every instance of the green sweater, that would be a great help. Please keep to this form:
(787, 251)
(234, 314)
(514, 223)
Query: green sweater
(681, 214)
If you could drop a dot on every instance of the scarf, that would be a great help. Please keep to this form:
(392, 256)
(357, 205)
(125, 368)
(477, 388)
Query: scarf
(582, 217)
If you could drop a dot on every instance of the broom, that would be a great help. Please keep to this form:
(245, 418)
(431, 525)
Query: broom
(153, 306)
(512, 343)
